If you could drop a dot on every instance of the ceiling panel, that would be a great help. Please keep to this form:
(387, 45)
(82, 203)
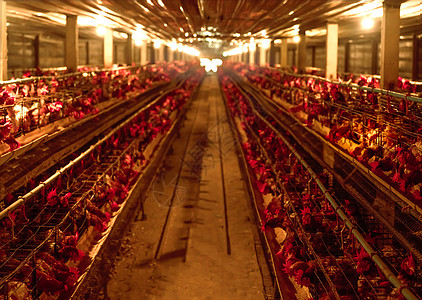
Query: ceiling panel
(220, 19)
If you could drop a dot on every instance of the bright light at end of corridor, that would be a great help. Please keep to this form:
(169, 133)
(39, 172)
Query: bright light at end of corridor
(211, 65)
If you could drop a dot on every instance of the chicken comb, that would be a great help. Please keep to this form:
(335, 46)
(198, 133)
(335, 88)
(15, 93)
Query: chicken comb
(51, 194)
(361, 255)
(408, 265)
(287, 266)
(305, 211)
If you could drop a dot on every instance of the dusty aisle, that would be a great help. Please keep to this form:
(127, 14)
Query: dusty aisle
(195, 240)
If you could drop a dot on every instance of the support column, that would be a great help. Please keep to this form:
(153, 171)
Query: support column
(331, 50)
(129, 50)
(170, 54)
(390, 37)
(166, 53)
(151, 51)
(262, 56)
(161, 53)
(87, 52)
(3, 41)
(72, 44)
(272, 54)
(252, 50)
(144, 53)
(108, 48)
(283, 53)
(301, 49)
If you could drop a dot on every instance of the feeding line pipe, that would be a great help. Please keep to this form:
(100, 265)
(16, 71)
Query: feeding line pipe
(353, 85)
(29, 79)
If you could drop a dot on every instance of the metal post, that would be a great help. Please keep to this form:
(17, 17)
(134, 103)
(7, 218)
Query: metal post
(390, 37)
(331, 51)
(72, 44)
(272, 54)
(144, 53)
(252, 49)
(283, 53)
(108, 48)
(129, 50)
(3, 41)
(301, 62)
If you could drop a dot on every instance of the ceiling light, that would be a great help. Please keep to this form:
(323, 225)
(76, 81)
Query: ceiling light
(186, 34)
(245, 47)
(296, 39)
(160, 2)
(265, 43)
(123, 35)
(367, 23)
(150, 2)
(138, 42)
(140, 35)
(190, 50)
(277, 41)
(157, 44)
(173, 45)
(252, 46)
(101, 30)
(291, 13)
(181, 8)
(144, 8)
(165, 25)
(181, 29)
(180, 47)
(295, 19)
(194, 35)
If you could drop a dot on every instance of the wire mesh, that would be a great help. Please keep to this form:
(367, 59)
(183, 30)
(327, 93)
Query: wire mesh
(327, 242)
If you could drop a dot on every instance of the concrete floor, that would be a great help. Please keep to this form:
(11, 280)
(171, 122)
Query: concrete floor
(200, 254)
